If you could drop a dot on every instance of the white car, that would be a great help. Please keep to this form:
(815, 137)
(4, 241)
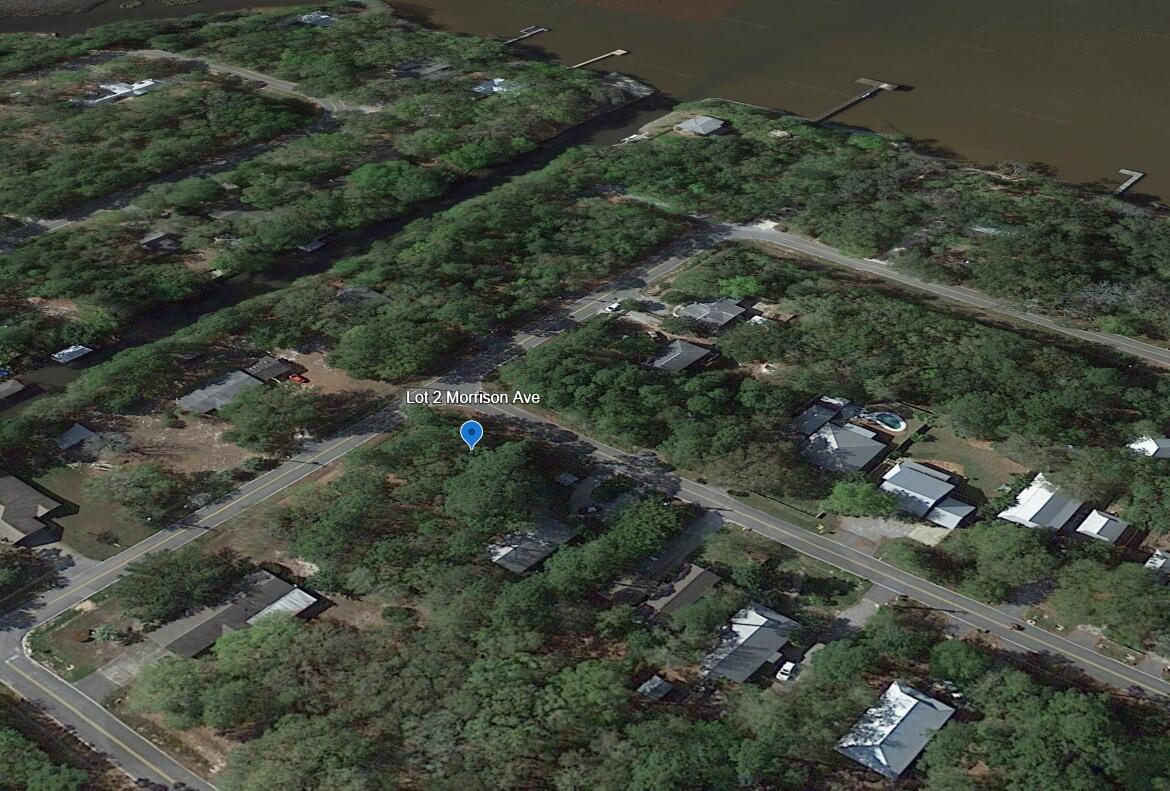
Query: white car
(786, 671)
(613, 308)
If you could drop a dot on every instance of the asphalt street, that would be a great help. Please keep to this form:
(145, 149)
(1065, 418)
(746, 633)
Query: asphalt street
(142, 759)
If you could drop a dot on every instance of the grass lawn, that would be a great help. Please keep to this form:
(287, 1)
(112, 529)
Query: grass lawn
(99, 529)
(823, 587)
(55, 646)
(983, 468)
(796, 515)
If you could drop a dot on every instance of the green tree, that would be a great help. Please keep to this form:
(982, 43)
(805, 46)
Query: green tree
(270, 419)
(166, 585)
(958, 661)
(859, 498)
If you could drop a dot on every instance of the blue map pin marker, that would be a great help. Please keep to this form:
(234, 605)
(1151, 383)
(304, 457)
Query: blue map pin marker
(472, 433)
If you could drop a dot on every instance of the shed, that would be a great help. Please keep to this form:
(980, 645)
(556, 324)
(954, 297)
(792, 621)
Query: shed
(74, 436)
(71, 353)
(267, 369)
(655, 687)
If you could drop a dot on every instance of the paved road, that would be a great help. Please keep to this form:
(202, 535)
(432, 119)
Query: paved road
(85, 716)
(766, 232)
(142, 759)
(963, 610)
(68, 705)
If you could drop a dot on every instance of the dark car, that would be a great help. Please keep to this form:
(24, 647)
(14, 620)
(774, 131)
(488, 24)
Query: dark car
(586, 510)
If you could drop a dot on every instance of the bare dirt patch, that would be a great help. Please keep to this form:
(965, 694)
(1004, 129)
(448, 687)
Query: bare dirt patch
(196, 447)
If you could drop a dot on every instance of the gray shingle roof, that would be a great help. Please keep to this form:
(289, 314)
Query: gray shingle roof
(217, 393)
(74, 435)
(22, 508)
(846, 448)
(891, 734)
(520, 552)
(716, 313)
(689, 586)
(754, 635)
(195, 633)
(917, 487)
(701, 125)
(678, 356)
(655, 687)
(811, 419)
(268, 368)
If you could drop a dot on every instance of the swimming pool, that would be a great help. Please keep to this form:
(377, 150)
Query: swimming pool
(889, 420)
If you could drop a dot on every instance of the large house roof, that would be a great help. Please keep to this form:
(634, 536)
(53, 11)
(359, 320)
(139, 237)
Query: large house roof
(678, 356)
(1103, 526)
(22, 508)
(519, 552)
(811, 419)
(716, 313)
(917, 487)
(701, 125)
(1157, 447)
(754, 635)
(1041, 505)
(262, 594)
(847, 448)
(891, 734)
(217, 393)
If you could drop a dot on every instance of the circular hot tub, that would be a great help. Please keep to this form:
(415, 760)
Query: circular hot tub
(888, 420)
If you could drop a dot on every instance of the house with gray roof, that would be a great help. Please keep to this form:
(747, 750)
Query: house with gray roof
(843, 448)
(10, 389)
(24, 514)
(74, 436)
(925, 492)
(891, 734)
(521, 552)
(1041, 504)
(217, 393)
(678, 356)
(688, 586)
(701, 126)
(1103, 526)
(261, 595)
(655, 687)
(752, 639)
(717, 314)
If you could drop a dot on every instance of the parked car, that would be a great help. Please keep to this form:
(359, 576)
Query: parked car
(613, 308)
(786, 671)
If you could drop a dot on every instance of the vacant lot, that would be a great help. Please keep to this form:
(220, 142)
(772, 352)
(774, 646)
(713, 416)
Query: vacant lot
(67, 644)
(99, 529)
(983, 467)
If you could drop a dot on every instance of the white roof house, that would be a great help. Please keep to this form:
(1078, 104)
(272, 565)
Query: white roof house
(753, 638)
(891, 734)
(716, 313)
(1042, 505)
(316, 19)
(71, 353)
(496, 85)
(925, 492)
(1103, 526)
(1155, 447)
(123, 90)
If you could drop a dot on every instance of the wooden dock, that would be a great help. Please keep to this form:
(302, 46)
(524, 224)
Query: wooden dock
(1134, 177)
(614, 54)
(874, 87)
(528, 32)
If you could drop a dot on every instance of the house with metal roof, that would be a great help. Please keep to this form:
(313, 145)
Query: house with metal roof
(843, 448)
(521, 552)
(1159, 561)
(316, 19)
(717, 314)
(1041, 504)
(217, 393)
(1103, 526)
(752, 639)
(925, 492)
(24, 514)
(678, 356)
(891, 734)
(701, 126)
(116, 91)
(1155, 447)
(262, 594)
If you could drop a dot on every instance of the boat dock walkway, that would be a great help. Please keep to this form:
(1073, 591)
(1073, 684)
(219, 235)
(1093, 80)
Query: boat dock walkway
(531, 30)
(874, 87)
(1134, 177)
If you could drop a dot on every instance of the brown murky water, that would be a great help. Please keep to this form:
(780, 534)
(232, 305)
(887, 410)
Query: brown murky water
(1076, 84)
